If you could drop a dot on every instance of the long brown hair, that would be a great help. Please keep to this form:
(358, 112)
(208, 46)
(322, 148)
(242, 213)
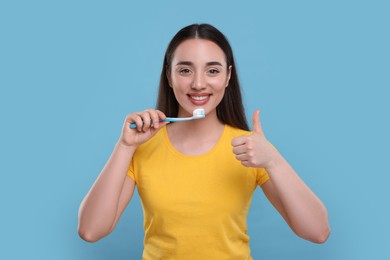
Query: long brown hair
(230, 110)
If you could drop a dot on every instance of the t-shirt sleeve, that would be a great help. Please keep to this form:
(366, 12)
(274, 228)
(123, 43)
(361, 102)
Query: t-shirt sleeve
(130, 171)
(262, 176)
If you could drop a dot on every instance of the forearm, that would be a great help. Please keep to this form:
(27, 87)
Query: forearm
(98, 210)
(306, 214)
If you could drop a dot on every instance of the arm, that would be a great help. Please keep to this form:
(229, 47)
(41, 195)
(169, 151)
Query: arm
(99, 209)
(299, 206)
(112, 191)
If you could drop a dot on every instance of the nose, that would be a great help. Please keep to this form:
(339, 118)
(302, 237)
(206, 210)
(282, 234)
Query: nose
(199, 82)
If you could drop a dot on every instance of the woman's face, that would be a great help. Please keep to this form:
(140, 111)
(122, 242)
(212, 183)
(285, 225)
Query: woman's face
(198, 76)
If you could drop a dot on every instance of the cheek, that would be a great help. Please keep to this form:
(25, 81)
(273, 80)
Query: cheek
(180, 83)
(220, 94)
(219, 82)
(219, 86)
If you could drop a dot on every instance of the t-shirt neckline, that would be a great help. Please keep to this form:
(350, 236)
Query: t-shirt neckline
(173, 150)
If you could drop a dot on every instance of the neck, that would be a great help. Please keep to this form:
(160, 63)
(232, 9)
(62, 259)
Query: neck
(200, 129)
(195, 137)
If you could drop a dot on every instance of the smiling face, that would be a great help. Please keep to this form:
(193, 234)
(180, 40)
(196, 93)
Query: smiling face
(198, 76)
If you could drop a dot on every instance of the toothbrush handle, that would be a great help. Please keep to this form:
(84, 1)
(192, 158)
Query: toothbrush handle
(171, 119)
(134, 125)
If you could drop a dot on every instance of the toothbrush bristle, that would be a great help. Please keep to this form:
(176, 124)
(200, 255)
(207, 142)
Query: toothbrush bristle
(199, 112)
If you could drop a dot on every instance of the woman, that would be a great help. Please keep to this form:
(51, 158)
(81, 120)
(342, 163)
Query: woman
(196, 178)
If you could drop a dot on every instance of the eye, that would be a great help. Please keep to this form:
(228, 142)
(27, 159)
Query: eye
(184, 71)
(213, 71)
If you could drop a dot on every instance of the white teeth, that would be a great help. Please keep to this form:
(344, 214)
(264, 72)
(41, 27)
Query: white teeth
(199, 98)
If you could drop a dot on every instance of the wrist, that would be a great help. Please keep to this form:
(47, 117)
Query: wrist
(275, 163)
(125, 147)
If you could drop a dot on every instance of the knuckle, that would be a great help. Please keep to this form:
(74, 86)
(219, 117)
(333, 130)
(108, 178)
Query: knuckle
(154, 117)
(130, 116)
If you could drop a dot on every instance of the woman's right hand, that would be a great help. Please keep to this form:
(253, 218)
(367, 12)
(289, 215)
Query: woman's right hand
(148, 124)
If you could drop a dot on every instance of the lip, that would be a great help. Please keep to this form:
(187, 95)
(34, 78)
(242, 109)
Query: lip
(199, 99)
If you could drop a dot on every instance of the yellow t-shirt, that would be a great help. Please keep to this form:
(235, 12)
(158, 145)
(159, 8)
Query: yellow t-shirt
(195, 207)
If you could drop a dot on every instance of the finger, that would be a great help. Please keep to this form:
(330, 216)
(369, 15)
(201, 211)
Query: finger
(154, 118)
(155, 121)
(256, 122)
(162, 124)
(245, 163)
(241, 140)
(146, 118)
(242, 157)
(161, 115)
(138, 121)
(239, 149)
(129, 120)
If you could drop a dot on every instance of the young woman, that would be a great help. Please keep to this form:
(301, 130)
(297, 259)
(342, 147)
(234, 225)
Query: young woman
(196, 178)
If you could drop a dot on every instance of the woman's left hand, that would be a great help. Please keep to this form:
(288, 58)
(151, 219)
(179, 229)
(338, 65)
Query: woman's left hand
(254, 150)
(298, 205)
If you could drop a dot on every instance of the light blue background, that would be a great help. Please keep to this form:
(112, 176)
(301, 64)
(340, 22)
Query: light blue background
(71, 70)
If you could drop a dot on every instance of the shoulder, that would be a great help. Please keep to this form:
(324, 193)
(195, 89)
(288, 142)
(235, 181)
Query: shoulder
(153, 143)
(235, 132)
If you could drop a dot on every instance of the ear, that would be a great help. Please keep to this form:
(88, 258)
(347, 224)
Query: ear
(229, 74)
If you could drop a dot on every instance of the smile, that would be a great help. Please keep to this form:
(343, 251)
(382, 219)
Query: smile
(199, 98)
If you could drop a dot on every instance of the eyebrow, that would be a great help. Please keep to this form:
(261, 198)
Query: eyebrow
(189, 63)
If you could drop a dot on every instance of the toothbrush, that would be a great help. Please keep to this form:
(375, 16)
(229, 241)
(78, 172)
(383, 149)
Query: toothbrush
(197, 114)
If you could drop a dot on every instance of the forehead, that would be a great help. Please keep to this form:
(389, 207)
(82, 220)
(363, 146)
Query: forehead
(198, 50)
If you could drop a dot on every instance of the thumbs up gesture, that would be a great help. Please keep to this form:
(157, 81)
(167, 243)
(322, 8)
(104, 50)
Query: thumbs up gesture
(254, 150)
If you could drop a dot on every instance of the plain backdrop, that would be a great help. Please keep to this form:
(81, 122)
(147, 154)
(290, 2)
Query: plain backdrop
(70, 71)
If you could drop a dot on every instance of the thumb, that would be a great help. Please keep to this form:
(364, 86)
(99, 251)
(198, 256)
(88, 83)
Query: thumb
(256, 122)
